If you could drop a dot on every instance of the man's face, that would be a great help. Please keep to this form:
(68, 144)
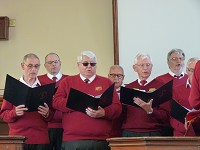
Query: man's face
(176, 63)
(87, 67)
(31, 67)
(116, 75)
(143, 68)
(190, 70)
(52, 64)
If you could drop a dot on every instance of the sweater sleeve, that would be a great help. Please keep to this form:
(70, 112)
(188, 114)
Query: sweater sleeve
(194, 98)
(7, 112)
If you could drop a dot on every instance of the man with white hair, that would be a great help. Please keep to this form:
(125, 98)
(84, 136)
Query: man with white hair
(144, 120)
(87, 130)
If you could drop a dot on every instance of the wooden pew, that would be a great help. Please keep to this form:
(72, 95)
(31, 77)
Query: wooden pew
(12, 142)
(155, 143)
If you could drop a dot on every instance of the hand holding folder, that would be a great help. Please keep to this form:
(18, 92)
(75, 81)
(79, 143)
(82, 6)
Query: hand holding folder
(79, 101)
(18, 93)
(159, 96)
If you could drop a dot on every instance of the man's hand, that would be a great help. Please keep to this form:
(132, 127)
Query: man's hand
(20, 110)
(95, 113)
(146, 106)
(44, 110)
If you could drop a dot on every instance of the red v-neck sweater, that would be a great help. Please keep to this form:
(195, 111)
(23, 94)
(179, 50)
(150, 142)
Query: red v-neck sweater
(137, 119)
(77, 125)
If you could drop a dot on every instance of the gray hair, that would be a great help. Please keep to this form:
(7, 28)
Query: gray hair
(180, 51)
(89, 54)
(30, 55)
(141, 55)
(193, 59)
(117, 66)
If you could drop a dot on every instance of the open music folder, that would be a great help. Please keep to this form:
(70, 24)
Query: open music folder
(178, 112)
(159, 96)
(17, 93)
(79, 101)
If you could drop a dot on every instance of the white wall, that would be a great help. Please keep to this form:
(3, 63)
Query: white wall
(155, 27)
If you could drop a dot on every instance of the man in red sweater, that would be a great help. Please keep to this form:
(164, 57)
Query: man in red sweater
(53, 66)
(87, 130)
(144, 120)
(181, 95)
(32, 125)
(175, 61)
(194, 98)
(116, 75)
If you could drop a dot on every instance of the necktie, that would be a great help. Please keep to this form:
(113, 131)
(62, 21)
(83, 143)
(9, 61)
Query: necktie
(86, 80)
(143, 82)
(54, 79)
(178, 77)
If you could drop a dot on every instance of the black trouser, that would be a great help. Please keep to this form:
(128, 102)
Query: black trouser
(126, 133)
(55, 137)
(36, 146)
(85, 145)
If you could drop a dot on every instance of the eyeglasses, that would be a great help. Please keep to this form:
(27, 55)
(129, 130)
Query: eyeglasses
(91, 64)
(176, 59)
(113, 75)
(144, 65)
(30, 66)
(191, 70)
(51, 62)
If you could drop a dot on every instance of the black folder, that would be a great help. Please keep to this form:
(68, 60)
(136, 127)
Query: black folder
(18, 93)
(159, 96)
(79, 101)
(178, 112)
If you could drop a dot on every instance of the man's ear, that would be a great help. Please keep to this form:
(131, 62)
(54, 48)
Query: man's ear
(78, 64)
(135, 68)
(22, 66)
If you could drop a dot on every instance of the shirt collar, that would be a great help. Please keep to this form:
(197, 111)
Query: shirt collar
(173, 74)
(91, 79)
(35, 84)
(58, 76)
(148, 80)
